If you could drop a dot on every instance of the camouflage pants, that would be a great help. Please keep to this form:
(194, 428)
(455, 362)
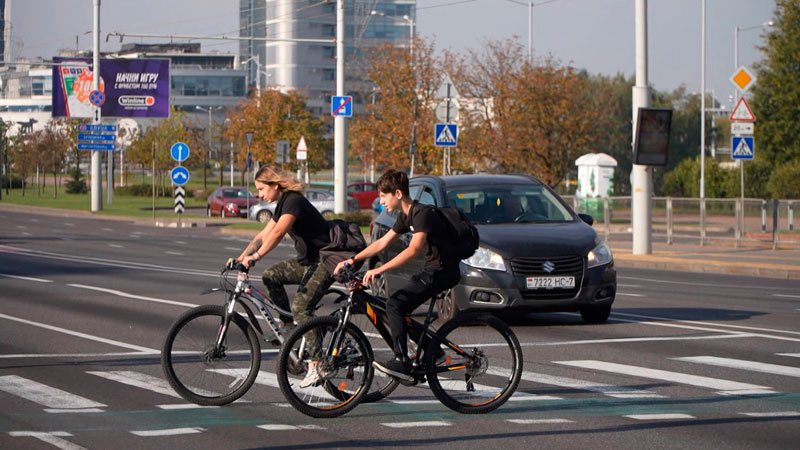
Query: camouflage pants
(312, 283)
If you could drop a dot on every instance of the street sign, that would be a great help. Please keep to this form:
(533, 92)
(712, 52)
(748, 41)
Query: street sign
(744, 147)
(179, 202)
(281, 151)
(97, 146)
(342, 106)
(738, 128)
(249, 136)
(442, 114)
(446, 135)
(743, 79)
(96, 137)
(302, 149)
(97, 98)
(447, 89)
(179, 175)
(179, 151)
(742, 112)
(86, 128)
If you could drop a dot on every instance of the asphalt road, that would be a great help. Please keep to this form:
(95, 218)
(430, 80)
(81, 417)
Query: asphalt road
(686, 360)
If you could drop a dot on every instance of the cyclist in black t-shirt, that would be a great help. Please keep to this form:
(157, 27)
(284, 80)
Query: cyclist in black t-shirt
(296, 216)
(440, 272)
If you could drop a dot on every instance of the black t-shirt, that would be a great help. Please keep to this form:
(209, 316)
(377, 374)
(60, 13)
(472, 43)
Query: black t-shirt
(310, 230)
(438, 246)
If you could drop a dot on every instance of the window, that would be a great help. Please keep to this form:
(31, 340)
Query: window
(427, 197)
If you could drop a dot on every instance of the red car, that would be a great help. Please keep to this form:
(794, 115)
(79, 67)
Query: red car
(363, 191)
(230, 202)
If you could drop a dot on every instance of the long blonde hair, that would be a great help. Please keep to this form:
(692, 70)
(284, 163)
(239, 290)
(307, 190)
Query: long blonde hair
(269, 174)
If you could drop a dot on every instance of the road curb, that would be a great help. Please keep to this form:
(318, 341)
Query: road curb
(707, 266)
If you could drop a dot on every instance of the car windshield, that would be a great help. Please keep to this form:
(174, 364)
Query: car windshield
(508, 204)
(237, 194)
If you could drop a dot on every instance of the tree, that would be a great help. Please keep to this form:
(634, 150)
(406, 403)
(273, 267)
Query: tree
(776, 94)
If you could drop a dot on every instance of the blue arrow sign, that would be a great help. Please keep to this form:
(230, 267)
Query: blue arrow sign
(96, 146)
(342, 106)
(84, 128)
(743, 147)
(446, 135)
(179, 151)
(179, 175)
(96, 137)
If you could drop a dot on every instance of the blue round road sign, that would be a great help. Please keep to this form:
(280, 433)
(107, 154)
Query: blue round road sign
(179, 175)
(179, 151)
(97, 98)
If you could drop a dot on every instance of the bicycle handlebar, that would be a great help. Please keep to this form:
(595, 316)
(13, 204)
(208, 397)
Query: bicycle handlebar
(233, 264)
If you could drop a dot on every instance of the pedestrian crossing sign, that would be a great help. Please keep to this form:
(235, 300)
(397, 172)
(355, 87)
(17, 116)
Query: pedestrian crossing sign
(744, 147)
(446, 135)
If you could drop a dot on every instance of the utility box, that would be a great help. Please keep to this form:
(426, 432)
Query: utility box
(595, 175)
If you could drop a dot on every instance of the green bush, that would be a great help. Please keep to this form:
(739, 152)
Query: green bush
(76, 185)
(11, 181)
(785, 181)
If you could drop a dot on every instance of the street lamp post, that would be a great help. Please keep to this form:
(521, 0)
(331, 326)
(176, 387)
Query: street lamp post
(208, 139)
(256, 59)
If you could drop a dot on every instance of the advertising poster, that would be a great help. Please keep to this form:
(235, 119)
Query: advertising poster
(132, 87)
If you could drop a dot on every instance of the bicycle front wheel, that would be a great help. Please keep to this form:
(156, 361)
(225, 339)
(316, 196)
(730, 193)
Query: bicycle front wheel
(344, 361)
(486, 375)
(197, 370)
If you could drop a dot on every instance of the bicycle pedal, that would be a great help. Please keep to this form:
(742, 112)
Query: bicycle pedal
(275, 342)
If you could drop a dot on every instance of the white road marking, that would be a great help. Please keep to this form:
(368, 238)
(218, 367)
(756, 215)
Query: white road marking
(25, 233)
(174, 253)
(639, 339)
(184, 406)
(233, 248)
(729, 387)
(115, 246)
(73, 411)
(40, 280)
(659, 416)
(786, 295)
(106, 229)
(44, 395)
(796, 355)
(53, 438)
(424, 423)
(168, 432)
(181, 242)
(82, 335)
(140, 380)
(772, 414)
(137, 297)
(583, 385)
(282, 427)
(538, 421)
(71, 355)
(754, 366)
(671, 322)
(69, 224)
(22, 227)
(630, 295)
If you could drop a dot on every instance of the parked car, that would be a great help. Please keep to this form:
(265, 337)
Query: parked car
(535, 254)
(230, 201)
(364, 191)
(322, 199)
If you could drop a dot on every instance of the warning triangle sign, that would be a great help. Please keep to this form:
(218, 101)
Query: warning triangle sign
(301, 146)
(742, 112)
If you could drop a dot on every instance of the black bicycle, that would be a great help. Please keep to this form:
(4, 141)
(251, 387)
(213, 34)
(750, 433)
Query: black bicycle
(472, 363)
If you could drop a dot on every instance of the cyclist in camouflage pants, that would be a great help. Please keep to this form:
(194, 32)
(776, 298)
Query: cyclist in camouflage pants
(313, 281)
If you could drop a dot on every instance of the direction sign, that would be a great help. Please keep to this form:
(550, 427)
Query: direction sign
(342, 106)
(742, 112)
(744, 147)
(97, 98)
(86, 128)
(96, 137)
(179, 175)
(179, 151)
(743, 79)
(738, 128)
(179, 202)
(446, 135)
(442, 113)
(97, 146)
(302, 149)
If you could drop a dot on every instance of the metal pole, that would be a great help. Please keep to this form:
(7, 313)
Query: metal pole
(703, 124)
(153, 174)
(735, 100)
(110, 177)
(530, 32)
(641, 175)
(231, 163)
(97, 184)
(339, 125)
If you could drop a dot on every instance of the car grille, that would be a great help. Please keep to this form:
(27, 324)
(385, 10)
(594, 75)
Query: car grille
(530, 266)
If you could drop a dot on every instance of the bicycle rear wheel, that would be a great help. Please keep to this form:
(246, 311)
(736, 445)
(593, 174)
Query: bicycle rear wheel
(346, 372)
(196, 370)
(489, 374)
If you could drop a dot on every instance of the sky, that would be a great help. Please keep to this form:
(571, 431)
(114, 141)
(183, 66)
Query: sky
(596, 35)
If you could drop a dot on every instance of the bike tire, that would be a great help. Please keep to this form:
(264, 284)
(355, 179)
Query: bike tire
(200, 377)
(492, 372)
(348, 374)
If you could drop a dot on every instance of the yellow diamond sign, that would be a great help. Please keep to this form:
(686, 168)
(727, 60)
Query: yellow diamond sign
(743, 79)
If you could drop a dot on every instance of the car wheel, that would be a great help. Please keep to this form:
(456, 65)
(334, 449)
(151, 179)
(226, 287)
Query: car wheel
(264, 216)
(208, 211)
(446, 306)
(595, 314)
(379, 286)
(328, 215)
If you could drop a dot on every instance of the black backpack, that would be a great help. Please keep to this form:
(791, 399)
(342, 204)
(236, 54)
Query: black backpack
(465, 235)
(346, 241)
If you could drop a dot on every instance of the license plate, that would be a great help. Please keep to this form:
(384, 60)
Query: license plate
(550, 282)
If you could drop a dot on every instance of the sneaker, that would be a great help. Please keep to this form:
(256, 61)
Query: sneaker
(313, 377)
(396, 368)
(440, 358)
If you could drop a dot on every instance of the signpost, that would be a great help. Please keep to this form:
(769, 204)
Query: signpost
(342, 106)
(301, 153)
(446, 133)
(743, 144)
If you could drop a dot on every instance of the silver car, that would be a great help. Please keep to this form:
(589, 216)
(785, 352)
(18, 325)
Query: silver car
(322, 199)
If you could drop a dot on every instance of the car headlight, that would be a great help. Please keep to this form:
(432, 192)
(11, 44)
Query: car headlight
(599, 255)
(486, 259)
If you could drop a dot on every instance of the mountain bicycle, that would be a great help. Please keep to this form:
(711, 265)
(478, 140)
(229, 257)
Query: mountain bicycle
(472, 363)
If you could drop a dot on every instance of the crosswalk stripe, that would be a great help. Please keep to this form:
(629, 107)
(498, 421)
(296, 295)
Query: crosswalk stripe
(144, 381)
(727, 386)
(754, 366)
(53, 438)
(795, 355)
(583, 385)
(425, 423)
(284, 427)
(44, 395)
(659, 416)
(772, 414)
(168, 432)
(538, 421)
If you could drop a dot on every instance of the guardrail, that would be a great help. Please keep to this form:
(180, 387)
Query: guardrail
(703, 221)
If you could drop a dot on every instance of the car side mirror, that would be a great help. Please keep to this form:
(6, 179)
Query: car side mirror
(586, 218)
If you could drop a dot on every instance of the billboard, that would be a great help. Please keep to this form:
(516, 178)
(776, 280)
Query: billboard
(132, 87)
(651, 140)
